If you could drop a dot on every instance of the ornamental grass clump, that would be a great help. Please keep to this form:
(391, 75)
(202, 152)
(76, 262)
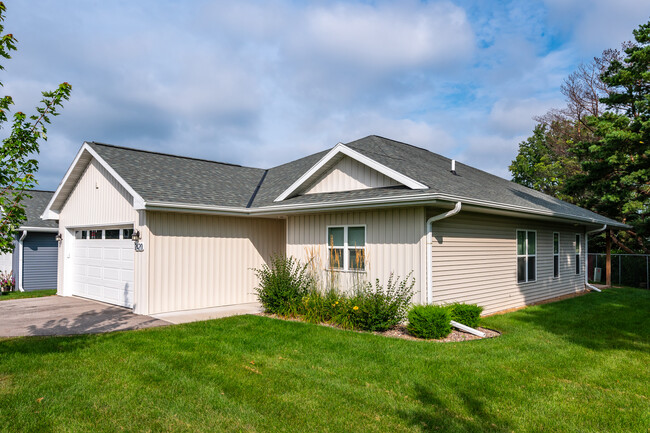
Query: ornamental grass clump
(429, 321)
(467, 314)
(282, 286)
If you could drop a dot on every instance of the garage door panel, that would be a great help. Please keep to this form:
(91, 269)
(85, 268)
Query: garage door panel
(103, 270)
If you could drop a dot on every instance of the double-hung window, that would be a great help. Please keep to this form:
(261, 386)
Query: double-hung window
(526, 255)
(577, 254)
(346, 246)
(556, 255)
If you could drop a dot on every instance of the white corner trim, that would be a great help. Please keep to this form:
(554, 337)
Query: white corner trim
(138, 201)
(342, 148)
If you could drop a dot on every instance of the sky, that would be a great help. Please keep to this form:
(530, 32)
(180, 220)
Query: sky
(264, 83)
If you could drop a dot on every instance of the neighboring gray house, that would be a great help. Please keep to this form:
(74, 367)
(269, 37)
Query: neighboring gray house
(161, 233)
(35, 255)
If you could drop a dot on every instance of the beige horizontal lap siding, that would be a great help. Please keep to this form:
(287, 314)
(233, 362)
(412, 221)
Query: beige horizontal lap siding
(97, 200)
(474, 260)
(348, 175)
(198, 261)
(395, 242)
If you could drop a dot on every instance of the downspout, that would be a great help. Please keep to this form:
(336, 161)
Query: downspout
(587, 257)
(20, 261)
(430, 222)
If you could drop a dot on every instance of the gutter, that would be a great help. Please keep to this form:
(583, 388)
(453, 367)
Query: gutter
(20, 261)
(594, 288)
(430, 222)
(410, 199)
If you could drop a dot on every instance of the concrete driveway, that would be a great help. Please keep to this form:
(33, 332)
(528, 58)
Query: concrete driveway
(57, 315)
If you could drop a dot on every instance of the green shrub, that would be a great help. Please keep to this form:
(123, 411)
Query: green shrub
(429, 321)
(282, 286)
(379, 309)
(320, 307)
(467, 314)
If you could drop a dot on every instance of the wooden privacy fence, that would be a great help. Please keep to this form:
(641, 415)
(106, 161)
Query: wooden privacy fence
(627, 269)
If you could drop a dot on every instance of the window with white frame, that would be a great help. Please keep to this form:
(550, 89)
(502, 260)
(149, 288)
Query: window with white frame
(526, 255)
(577, 254)
(556, 255)
(346, 246)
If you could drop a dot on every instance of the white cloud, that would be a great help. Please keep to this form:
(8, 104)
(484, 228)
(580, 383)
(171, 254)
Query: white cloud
(598, 24)
(491, 153)
(512, 116)
(404, 35)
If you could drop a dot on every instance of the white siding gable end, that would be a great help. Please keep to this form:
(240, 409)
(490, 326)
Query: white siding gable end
(345, 169)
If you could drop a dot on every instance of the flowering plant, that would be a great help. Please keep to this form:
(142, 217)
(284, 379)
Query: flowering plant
(7, 282)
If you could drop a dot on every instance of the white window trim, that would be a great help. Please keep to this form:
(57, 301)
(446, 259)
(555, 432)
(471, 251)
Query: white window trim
(346, 252)
(526, 255)
(578, 253)
(559, 268)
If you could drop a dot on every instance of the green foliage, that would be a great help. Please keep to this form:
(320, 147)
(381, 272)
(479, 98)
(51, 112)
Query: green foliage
(600, 160)
(282, 286)
(467, 314)
(17, 161)
(380, 308)
(429, 321)
(287, 288)
(543, 162)
(320, 307)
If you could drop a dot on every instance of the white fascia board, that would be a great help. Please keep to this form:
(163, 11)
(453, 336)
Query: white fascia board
(401, 200)
(40, 229)
(48, 213)
(138, 201)
(342, 148)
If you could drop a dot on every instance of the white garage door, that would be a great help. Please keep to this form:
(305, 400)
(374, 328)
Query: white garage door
(103, 265)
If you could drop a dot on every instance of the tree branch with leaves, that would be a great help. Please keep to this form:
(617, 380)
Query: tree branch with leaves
(18, 164)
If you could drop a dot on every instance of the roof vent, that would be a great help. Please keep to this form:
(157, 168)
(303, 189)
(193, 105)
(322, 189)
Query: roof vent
(453, 166)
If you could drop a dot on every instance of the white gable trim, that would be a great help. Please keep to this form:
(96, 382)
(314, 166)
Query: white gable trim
(343, 149)
(138, 201)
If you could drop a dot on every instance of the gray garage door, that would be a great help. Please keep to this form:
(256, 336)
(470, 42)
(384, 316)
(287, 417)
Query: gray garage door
(40, 255)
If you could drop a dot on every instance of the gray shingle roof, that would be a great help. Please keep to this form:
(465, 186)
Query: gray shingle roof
(180, 180)
(175, 179)
(34, 208)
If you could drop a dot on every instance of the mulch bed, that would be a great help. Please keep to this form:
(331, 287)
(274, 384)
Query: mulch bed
(400, 331)
(456, 335)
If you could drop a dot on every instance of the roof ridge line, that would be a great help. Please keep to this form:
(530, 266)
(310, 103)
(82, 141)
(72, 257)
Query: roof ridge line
(172, 155)
(407, 144)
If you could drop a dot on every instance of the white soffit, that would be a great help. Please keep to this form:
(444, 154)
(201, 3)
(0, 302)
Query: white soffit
(341, 149)
(74, 173)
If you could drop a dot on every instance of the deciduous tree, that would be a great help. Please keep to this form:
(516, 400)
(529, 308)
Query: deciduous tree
(17, 153)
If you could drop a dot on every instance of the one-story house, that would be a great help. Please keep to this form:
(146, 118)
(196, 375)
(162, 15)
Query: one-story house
(35, 255)
(161, 233)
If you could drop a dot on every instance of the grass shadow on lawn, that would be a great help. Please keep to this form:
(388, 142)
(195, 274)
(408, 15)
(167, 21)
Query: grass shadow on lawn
(617, 318)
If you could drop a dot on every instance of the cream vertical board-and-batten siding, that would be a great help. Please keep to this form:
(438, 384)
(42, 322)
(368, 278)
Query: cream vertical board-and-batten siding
(198, 261)
(475, 261)
(395, 242)
(348, 175)
(97, 199)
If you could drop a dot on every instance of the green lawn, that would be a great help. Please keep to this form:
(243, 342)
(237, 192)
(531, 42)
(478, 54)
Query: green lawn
(32, 294)
(573, 366)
